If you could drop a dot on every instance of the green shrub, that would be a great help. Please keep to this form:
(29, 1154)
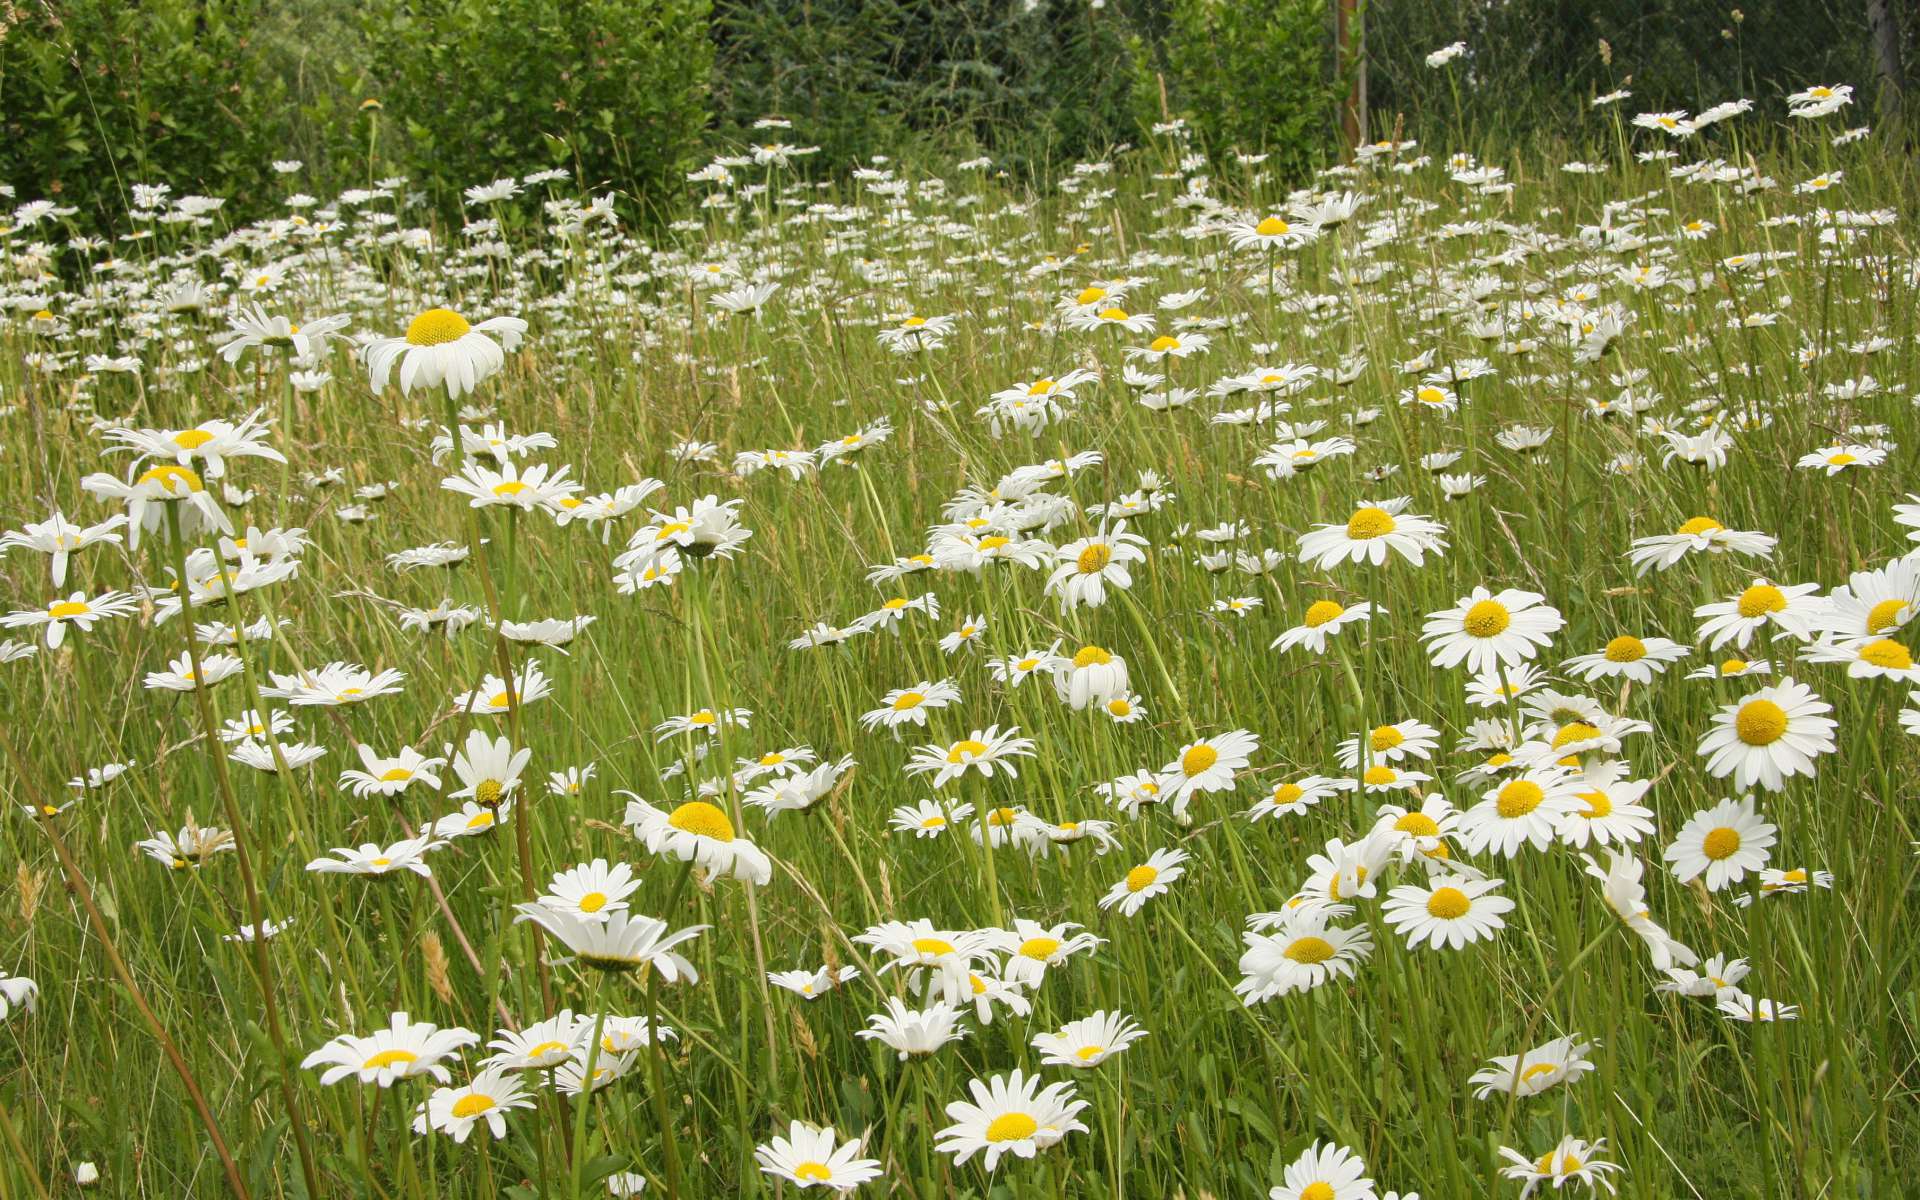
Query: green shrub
(614, 90)
(98, 95)
(1254, 77)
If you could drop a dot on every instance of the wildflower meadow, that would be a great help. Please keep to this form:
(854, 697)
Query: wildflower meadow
(1183, 678)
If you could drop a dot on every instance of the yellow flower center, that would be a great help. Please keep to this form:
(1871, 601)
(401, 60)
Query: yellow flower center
(192, 439)
(472, 1104)
(1430, 395)
(1518, 797)
(966, 748)
(1120, 706)
(173, 480)
(1417, 824)
(1448, 903)
(932, 946)
(1271, 227)
(1380, 776)
(1040, 387)
(1164, 343)
(1697, 526)
(1761, 599)
(1386, 737)
(1092, 295)
(1287, 793)
(1488, 618)
(489, 792)
(593, 902)
(389, 1058)
(913, 322)
(1578, 731)
(436, 327)
(67, 608)
(1888, 654)
(1598, 805)
(1113, 314)
(1885, 615)
(1091, 656)
(1142, 877)
(1094, 558)
(1760, 722)
(1536, 1070)
(1318, 1190)
(1842, 459)
(933, 823)
(1041, 948)
(817, 1172)
(1720, 843)
(1625, 649)
(1089, 1053)
(480, 820)
(702, 820)
(1369, 522)
(393, 774)
(1322, 611)
(896, 604)
(907, 700)
(1012, 1127)
(667, 531)
(1734, 666)
(1198, 759)
(1309, 950)
(509, 487)
(993, 541)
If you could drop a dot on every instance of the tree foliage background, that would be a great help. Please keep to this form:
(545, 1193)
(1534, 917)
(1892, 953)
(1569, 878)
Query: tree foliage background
(205, 94)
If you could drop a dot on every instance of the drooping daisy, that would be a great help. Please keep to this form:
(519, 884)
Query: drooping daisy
(76, 610)
(1769, 737)
(1323, 619)
(368, 858)
(983, 750)
(1489, 631)
(440, 347)
(1325, 1171)
(910, 705)
(1627, 657)
(1088, 1042)
(1562, 1060)
(1208, 765)
(404, 1050)
(1092, 564)
(1718, 978)
(1723, 843)
(1141, 884)
(1698, 535)
(1290, 798)
(698, 832)
(1526, 809)
(913, 1033)
(1572, 1160)
(1449, 911)
(1622, 889)
(591, 891)
(487, 1098)
(812, 1157)
(1791, 611)
(1301, 955)
(1094, 675)
(928, 818)
(1373, 531)
(1753, 1010)
(1400, 741)
(811, 985)
(621, 941)
(390, 776)
(1010, 1114)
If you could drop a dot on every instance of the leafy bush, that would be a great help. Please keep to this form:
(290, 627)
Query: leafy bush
(1028, 85)
(101, 94)
(1256, 77)
(611, 89)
